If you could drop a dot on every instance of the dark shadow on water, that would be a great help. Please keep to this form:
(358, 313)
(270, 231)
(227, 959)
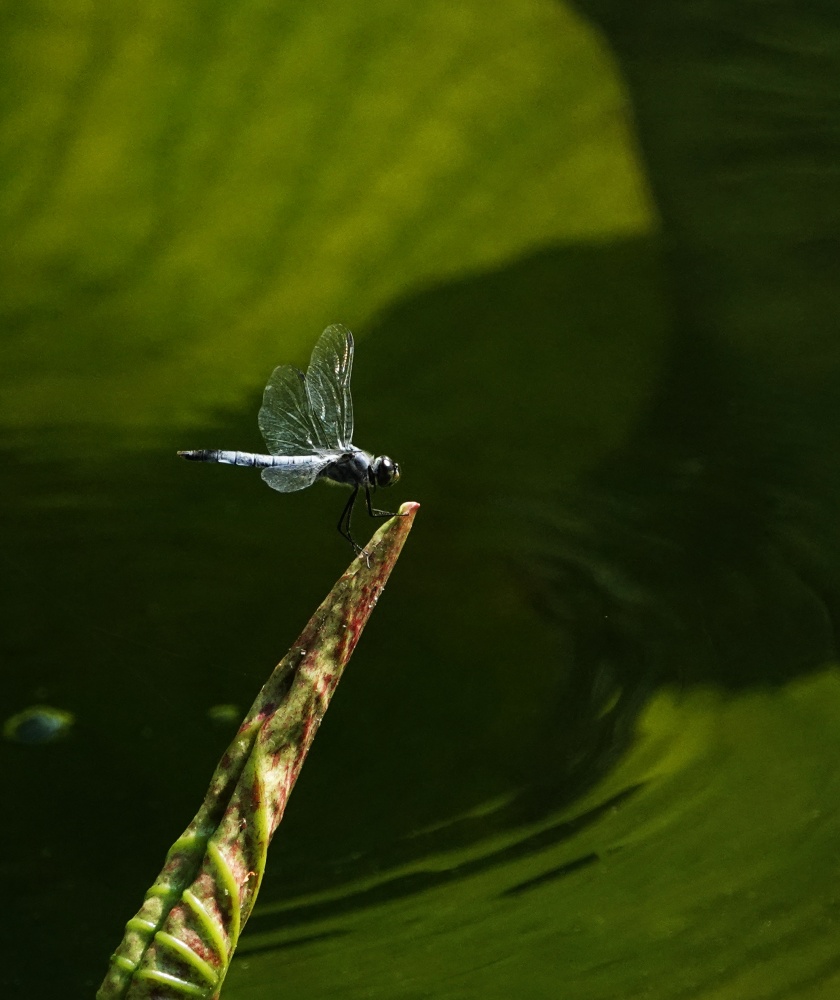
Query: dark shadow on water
(393, 887)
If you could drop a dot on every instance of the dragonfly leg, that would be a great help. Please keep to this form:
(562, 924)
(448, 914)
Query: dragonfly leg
(373, 511)
(344, 521)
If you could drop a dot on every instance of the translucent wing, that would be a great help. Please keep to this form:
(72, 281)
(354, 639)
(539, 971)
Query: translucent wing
(286, 418)
(290, 480)
(328, 385)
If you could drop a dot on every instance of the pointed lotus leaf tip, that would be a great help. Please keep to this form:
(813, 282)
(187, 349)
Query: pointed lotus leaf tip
(402, 520)
(382, 551)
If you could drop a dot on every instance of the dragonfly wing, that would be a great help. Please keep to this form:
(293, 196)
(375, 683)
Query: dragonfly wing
(286, 419)
(328, 385)
(290, 480)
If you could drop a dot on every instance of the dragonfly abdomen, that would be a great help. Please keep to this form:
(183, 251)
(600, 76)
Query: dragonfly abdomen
(248, 458)
(228, 457)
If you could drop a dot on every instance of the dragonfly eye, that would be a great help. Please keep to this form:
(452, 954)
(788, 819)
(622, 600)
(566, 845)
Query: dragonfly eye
(386, 470)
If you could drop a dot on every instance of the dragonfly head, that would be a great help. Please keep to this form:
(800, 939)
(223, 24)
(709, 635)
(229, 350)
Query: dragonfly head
(384, 471)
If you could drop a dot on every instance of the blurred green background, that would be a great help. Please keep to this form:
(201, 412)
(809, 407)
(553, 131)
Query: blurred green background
(586, 747)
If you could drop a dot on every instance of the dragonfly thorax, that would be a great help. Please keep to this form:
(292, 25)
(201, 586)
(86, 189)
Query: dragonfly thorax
(352, 468)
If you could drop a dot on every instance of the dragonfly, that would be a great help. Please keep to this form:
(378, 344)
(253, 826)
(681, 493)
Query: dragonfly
(307, 423)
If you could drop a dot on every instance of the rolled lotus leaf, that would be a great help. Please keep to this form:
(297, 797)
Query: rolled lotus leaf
(181, 941)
